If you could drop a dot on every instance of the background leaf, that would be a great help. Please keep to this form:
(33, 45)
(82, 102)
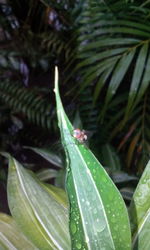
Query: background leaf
(38, 213)
(10, 235)
(140, 212)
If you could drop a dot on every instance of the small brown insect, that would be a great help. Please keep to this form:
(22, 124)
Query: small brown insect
(80, 135)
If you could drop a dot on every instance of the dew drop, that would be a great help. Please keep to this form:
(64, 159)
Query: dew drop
(73, 227)
(94, 171)
(78, 245)
(95, 210)
(100, 225)
(87, 203)
(88, 171)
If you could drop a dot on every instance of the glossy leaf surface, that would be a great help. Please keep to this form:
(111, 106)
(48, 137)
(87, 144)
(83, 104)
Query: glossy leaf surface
(140, 212)
(37, 211)
(11, 237)
(98, 216)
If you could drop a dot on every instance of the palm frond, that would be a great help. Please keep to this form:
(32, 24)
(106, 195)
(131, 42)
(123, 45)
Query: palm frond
(113, 50)
(135, 139)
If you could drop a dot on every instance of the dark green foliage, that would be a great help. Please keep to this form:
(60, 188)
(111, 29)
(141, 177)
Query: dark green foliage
(112, 57)
(32, 105)
(114, 49)
(102, 49)
(135, 141)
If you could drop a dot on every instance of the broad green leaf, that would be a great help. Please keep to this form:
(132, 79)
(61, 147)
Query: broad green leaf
(40, 216)
(57, 193)
(98, 216)
(11, 237)
(140, 212)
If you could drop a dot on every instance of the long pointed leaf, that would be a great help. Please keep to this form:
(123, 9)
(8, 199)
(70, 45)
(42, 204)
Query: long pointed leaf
(140, 212)
(145, 81)
(98, 216)
(11, 237)
(41, 217)
(118, 74)
(137, 76)
(50, 156)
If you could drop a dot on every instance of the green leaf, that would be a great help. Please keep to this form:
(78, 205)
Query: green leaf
(140, 212)
(137, 75)
(120, 177)
(98, 216)
(108, 42)
(119, 74)
(46, 174)
(101, 82)
(127, 193)
(38, 213)
(145, 81)
(48, 155)
(57, 193)
(10, 235)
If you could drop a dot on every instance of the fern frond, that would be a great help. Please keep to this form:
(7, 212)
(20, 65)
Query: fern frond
(32, 105)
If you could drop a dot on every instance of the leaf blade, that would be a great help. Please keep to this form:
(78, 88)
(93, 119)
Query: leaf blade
(95, 228)
(11, 237)
(139, 211)
(35, 210)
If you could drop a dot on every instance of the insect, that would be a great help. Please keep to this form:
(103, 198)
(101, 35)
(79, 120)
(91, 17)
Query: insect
(80, 135)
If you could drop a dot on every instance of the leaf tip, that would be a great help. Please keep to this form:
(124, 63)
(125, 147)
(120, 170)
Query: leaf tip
(56, 79)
